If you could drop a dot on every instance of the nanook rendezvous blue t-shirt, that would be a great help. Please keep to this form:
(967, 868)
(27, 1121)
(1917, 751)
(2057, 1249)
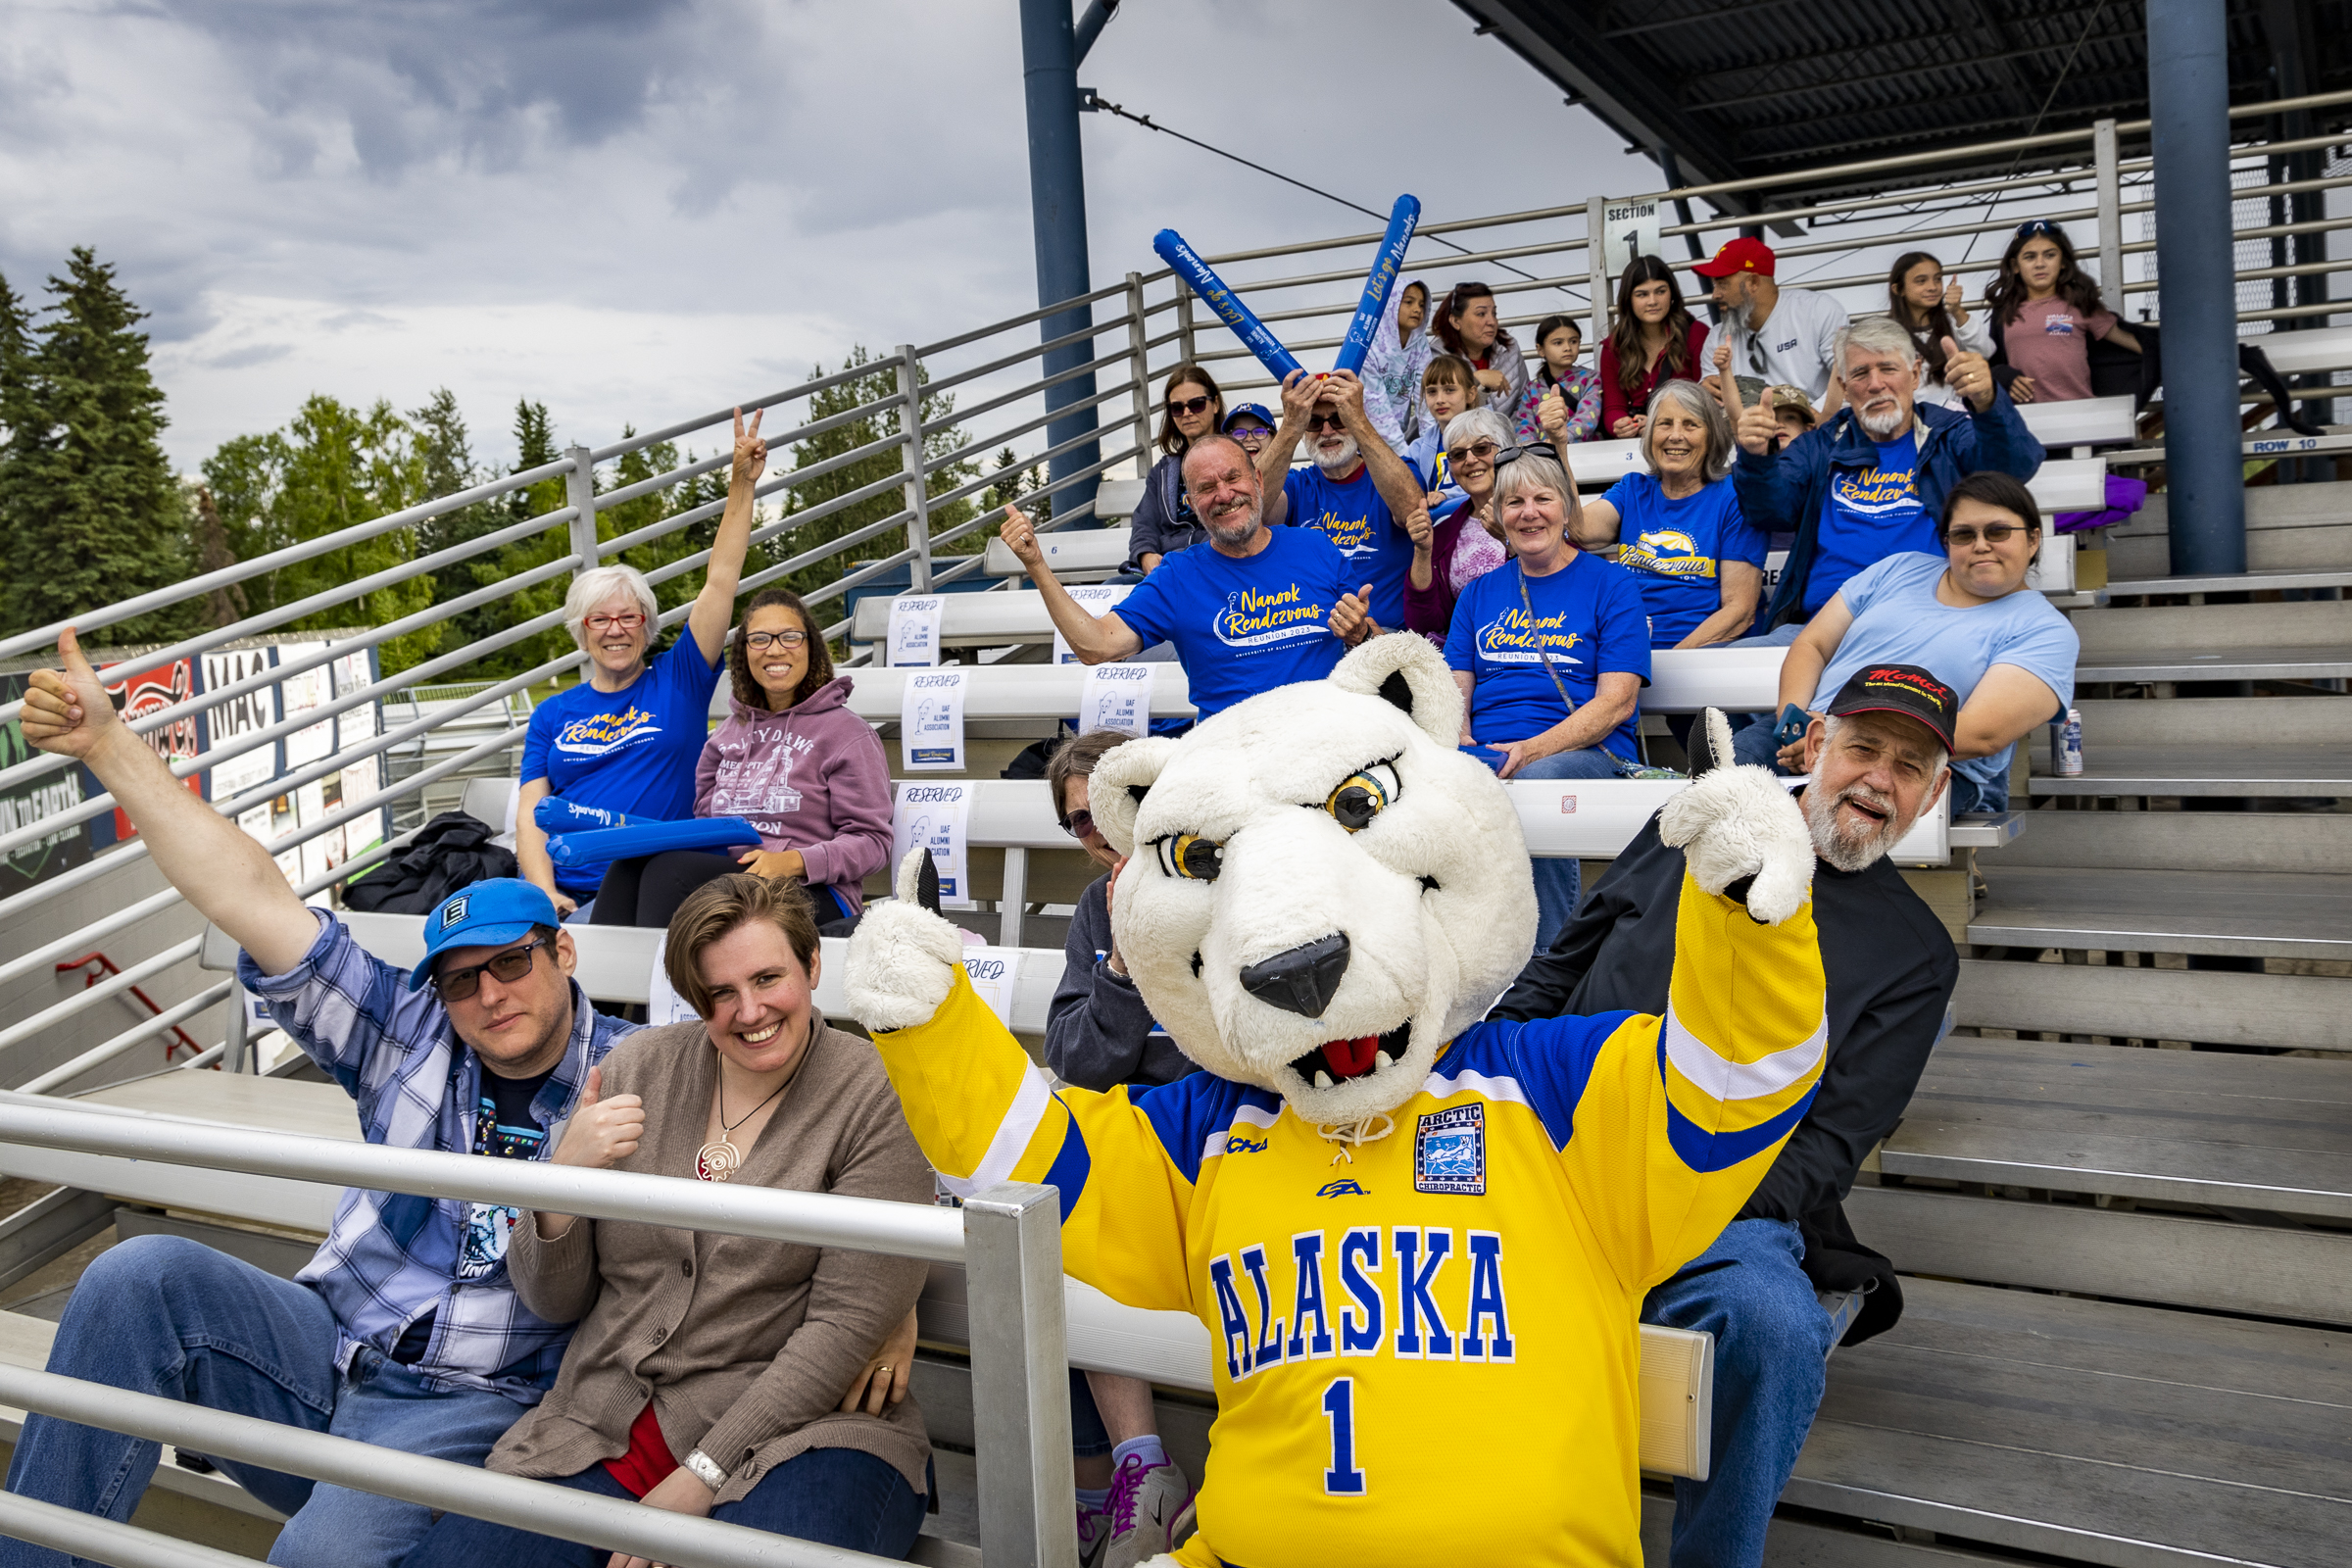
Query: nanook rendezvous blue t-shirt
(631, 751)
(1869, 514)
(1675, 549)
(1353, 517)
(1248, 625)
(1591, 620)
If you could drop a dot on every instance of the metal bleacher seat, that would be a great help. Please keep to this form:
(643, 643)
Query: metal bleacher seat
(615, 964)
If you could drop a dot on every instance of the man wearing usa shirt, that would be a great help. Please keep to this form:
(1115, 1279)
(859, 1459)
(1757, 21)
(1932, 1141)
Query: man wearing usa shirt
(1357, 492)
(1251, 612)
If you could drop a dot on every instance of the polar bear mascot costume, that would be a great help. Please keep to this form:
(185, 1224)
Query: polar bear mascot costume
(1420, 1242)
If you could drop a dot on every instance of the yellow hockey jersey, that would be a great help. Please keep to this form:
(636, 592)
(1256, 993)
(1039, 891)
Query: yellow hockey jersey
(1426, 1350)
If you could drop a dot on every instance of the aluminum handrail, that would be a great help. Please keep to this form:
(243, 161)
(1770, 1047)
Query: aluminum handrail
(1008, 1239)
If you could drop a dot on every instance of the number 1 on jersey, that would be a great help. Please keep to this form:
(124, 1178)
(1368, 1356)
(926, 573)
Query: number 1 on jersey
(1343, 1478)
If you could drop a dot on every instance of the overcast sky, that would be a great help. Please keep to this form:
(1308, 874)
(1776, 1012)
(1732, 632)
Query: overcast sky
(639, 210)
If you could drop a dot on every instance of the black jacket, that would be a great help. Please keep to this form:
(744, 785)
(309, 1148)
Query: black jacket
(1890, 969)
(451, 852)
(1099, 1033)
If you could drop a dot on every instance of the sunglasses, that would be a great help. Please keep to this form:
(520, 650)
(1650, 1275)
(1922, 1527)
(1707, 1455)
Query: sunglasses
(1993, 533)
(1326, 421)
(1189, 405)
(457, 985)
(1481, 451)
(761, 641)
(1247, 434)
(2035, 225)
(1756, 354)
(1507, 455)
(1078, 824)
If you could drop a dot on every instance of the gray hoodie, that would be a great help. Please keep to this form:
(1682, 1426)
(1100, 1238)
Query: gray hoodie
(1099, 1033)
(811, 778)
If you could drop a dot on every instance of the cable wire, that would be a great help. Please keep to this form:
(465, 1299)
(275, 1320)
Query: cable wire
(1096, 100)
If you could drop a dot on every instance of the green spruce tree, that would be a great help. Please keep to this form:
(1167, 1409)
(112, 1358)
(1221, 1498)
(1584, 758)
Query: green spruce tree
(92, 512)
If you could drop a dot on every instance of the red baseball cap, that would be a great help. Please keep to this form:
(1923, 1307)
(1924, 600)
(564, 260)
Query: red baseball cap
(1742, 255)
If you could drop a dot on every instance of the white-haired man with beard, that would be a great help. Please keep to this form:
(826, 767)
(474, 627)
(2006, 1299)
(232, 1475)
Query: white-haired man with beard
(1250, 611)
(1878, 757)
(1356, 491)
(1870, 480)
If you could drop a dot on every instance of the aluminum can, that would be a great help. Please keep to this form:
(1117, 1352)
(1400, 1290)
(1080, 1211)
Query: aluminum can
(2065, 745)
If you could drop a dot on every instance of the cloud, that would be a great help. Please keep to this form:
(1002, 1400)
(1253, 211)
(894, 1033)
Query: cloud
(639, 210)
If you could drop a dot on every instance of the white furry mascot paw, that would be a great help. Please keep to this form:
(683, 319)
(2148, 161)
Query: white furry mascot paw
(902, 956)
(1741, 822)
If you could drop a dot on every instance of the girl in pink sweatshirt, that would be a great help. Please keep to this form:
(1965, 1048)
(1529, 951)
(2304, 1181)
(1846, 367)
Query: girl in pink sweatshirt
(792, 761)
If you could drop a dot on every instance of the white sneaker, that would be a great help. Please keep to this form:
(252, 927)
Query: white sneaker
(1145, 1504)
(1094, 1533)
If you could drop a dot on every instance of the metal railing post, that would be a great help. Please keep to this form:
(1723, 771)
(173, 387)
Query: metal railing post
(580, 488)
(1138, 339)
(1020, 1378)
(918, 499)
(1183, 324)
(1597, 264)
(2111, 210)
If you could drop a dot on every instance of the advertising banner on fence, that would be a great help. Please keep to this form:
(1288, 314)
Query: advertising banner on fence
(29, 802)
(151, 692)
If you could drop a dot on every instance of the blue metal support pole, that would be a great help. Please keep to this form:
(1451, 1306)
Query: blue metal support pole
(1057, 213)
(2189, 102)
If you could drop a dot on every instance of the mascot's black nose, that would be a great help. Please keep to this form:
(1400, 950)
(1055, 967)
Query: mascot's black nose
(1302, 980)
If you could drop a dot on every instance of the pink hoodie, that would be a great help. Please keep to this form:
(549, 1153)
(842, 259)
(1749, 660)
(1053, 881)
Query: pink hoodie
(812, 778)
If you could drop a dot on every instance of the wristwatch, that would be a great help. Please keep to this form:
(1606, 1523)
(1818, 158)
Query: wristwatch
(706, 1470)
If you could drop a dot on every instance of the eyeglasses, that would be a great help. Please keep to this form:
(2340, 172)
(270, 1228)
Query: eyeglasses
(457, 985)
(1993, 533)
(1326, 421)
(1247, 433)
(1078, 824)
(1189, 405)
(628, 622)
(760, 641)
(1482, 451)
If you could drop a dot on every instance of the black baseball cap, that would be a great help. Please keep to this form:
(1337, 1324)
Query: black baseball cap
(1904, 689)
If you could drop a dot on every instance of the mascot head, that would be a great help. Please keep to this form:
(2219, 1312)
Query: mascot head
(1320, 890)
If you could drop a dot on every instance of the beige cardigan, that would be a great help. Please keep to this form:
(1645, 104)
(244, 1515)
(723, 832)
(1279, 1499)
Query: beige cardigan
(745, 1345)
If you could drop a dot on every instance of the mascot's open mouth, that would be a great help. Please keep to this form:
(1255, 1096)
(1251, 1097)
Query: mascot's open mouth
(1341, 1059)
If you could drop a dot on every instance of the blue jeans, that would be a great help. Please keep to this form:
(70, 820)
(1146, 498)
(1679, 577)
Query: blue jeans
(168, 1316)
(834, 1497)
(1755, 746)
(1771, 1346)
(1778, 637)
(1559, 879)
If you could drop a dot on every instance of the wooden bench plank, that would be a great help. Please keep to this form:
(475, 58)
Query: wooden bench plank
(2094, 1432)
(2277, 915)
(2188, 1127)
(2308, 1012)
(2257, 1270)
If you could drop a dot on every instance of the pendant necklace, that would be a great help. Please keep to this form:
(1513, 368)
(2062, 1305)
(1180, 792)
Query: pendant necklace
(719, 1160)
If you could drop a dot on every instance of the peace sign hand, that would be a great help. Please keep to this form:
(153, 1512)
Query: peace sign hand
(751, 453)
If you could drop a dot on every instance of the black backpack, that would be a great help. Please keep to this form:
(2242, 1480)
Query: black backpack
(451, 852)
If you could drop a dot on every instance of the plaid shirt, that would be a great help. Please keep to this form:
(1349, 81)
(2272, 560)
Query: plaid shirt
(392, 1258)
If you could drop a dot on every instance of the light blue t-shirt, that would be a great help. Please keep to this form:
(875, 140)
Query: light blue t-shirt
(1869, 514)
(631, 751)
(1356, 519)
(1590, 619)
(1898, 620)
(1673, 549)
(1247, 626)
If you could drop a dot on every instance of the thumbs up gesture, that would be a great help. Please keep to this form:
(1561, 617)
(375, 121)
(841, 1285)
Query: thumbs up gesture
(66, 710)
(602, 1132)
(1968, 374)
(1755, 427)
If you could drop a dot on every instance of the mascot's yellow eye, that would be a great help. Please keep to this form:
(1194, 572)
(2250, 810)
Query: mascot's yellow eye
(1188, 855)
(1363, 796)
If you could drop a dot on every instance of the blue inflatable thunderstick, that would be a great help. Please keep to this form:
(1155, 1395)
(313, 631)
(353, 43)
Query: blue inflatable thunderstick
(1386, 263)
(1228, 305)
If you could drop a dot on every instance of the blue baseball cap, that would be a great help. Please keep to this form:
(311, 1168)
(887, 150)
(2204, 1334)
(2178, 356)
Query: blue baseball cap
(1252, 411)
(489, 914)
